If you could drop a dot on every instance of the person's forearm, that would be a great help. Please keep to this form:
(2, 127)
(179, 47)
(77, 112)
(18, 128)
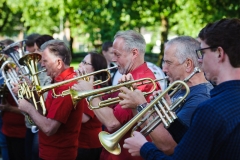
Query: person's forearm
(106, 116)
(46, 125)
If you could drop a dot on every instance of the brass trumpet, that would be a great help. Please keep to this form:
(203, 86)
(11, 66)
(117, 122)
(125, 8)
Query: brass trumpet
(78, 95)
(42, 89)
(165, 114)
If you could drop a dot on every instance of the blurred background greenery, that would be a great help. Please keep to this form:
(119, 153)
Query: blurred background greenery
(85, 25)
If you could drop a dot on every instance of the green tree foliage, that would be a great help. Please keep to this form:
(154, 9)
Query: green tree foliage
(97, 21)
(9, 20)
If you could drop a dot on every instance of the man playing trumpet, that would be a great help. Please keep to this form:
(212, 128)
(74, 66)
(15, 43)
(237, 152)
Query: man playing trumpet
(129, 49)
(180, 61)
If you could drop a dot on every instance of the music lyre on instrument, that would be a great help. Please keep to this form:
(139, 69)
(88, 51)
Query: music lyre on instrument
(165, 114)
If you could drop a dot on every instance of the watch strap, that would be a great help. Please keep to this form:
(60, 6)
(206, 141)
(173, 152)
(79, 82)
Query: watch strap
(141, 107)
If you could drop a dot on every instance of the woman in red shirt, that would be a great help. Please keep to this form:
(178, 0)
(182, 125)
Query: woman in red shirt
(89, 146)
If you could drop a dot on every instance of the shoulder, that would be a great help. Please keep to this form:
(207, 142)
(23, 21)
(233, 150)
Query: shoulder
(203, 88)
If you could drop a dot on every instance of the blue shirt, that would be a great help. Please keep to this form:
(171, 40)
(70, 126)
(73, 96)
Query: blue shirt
(214, 133)
(198, 93)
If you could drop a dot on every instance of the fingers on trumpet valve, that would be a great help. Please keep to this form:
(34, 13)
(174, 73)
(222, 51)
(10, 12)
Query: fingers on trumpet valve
(126, 78)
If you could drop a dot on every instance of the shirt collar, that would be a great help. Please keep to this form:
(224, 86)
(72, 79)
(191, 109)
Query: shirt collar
(232, 84)
(139, 69)
(64, 75)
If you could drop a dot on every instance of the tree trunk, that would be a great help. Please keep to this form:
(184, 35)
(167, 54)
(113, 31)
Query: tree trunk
(71, 45)
(164, 37)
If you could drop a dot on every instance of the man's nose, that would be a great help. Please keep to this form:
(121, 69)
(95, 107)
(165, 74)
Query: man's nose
(164, 68)
(114, 59)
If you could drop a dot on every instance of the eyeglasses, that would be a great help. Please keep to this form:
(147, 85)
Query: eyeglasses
(85, 63)
(200, 53)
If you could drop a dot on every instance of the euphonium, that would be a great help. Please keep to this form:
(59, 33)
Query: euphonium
(30, 61)
(13, 72)
(165, 114)
(3, 87)
(10, 76)
(42, 89)
(78, 95)
(16, 51)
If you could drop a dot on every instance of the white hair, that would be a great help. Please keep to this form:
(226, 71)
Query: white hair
(186, 49)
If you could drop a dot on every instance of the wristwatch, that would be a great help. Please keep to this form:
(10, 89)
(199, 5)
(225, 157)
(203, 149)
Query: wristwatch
(141, 106)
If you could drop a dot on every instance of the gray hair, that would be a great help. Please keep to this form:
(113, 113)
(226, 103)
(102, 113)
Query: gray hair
(59, 49)
(132, 40)
(186, 49)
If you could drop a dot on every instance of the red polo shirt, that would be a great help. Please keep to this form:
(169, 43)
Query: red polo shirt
(88, 137)
(13, 123)
(64, 143)
(124, 115)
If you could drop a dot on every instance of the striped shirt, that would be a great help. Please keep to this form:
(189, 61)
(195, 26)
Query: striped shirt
(214, 132)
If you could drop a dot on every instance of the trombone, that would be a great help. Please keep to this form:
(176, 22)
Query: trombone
(78, 95)
(42, 89)
(165, 114)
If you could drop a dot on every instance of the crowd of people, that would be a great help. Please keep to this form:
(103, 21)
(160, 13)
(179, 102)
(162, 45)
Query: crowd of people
(206, 124)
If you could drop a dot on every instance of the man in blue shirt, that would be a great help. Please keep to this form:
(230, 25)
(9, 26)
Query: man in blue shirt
(215, 126)
(180, 59)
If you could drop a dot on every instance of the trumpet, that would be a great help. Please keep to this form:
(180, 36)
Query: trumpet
(76, 95)
(42, 89)
(165, 114)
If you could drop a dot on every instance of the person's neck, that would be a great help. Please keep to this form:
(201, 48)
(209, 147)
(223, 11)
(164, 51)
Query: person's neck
(61, 70)
(197, 79)
(228, 74)
(136, 64)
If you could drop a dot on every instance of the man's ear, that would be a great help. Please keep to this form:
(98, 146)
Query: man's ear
(60, 63)
(189, 65)
(221, 53)
(135, 53)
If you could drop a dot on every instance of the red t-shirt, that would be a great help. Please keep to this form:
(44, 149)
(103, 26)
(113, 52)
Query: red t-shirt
(13, 123)
(124, 115)
(64, 143)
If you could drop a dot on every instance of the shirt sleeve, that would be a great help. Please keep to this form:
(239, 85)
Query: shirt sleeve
(196, 143)
(150, 152)
(87, 111)
(197, 95)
